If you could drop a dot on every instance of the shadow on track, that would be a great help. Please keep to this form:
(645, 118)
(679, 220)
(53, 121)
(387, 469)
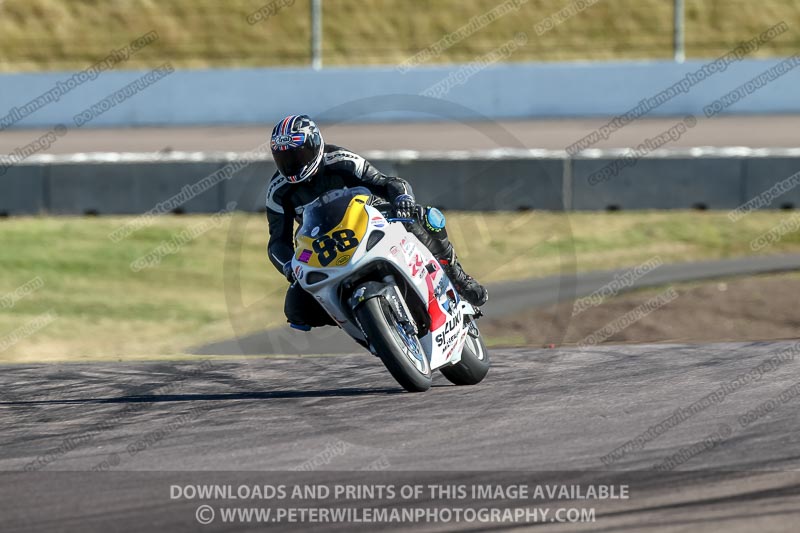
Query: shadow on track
(272, 395)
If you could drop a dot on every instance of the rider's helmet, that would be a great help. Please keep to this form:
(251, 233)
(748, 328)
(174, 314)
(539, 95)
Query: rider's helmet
(297, 147)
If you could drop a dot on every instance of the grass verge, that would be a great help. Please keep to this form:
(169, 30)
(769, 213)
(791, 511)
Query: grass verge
(102, 309)
(71, 35)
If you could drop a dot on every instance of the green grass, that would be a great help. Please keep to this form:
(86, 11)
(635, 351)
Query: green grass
(71, 34)
(221, 283)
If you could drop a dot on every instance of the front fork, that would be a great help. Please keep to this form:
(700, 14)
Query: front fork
(388, 290)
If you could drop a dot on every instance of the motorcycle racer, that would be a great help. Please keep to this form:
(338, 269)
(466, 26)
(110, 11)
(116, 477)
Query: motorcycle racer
(308, 168)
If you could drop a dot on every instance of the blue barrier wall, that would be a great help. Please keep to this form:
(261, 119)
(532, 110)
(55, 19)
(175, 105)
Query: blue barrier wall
(508, 91)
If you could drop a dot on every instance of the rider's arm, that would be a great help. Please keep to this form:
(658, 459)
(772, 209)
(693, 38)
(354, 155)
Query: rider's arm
(361, 172)
(280, 239)
(388, 187)
(281, 225)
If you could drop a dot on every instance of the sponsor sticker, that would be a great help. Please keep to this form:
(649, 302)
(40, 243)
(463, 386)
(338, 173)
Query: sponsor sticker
(408, 246)
(416, 266)
(284, 142)
(305, 256)
(450, 333)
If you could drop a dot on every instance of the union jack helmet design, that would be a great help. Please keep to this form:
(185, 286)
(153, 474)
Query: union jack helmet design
(297, 147)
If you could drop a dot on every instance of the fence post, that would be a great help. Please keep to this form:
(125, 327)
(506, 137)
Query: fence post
(316, 34)
(679, 35)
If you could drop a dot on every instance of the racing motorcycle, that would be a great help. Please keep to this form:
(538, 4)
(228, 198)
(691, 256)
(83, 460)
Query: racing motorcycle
(387, 291)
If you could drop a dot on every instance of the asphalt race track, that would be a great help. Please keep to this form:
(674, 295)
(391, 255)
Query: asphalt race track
(751, 131)
(730, 462)
(538, 412)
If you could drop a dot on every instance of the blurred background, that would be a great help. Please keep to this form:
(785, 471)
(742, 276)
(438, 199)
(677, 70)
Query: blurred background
(69, 35)
(562, 138)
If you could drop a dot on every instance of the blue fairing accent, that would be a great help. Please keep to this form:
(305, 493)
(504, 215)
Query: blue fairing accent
(302, 327)
(435, 218)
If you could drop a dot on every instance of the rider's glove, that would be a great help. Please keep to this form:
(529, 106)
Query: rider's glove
(288, 272)
(405, 206)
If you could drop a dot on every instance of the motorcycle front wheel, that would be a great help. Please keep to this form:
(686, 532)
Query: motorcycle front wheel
(401, 352)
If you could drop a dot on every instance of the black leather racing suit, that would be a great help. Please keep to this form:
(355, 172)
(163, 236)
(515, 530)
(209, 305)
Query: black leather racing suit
(339, 168)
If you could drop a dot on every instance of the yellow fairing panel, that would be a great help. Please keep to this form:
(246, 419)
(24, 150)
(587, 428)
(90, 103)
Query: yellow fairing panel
(336, 248)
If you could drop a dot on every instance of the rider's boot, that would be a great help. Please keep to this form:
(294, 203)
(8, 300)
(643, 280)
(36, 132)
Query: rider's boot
(433, 234)
(472, 291)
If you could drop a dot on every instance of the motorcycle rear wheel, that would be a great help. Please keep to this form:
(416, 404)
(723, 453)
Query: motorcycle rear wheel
(401, 353)
(474, 364)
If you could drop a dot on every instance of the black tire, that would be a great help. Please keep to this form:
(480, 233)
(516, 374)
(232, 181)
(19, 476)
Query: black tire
(474, 364)
(380, 325)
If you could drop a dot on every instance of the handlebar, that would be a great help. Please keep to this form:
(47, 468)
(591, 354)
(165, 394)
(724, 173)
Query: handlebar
(386, 210)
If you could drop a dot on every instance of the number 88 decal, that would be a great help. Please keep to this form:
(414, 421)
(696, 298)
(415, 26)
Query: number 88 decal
(328, 247)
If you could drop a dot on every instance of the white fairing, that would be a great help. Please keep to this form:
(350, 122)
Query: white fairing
(443, 345)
